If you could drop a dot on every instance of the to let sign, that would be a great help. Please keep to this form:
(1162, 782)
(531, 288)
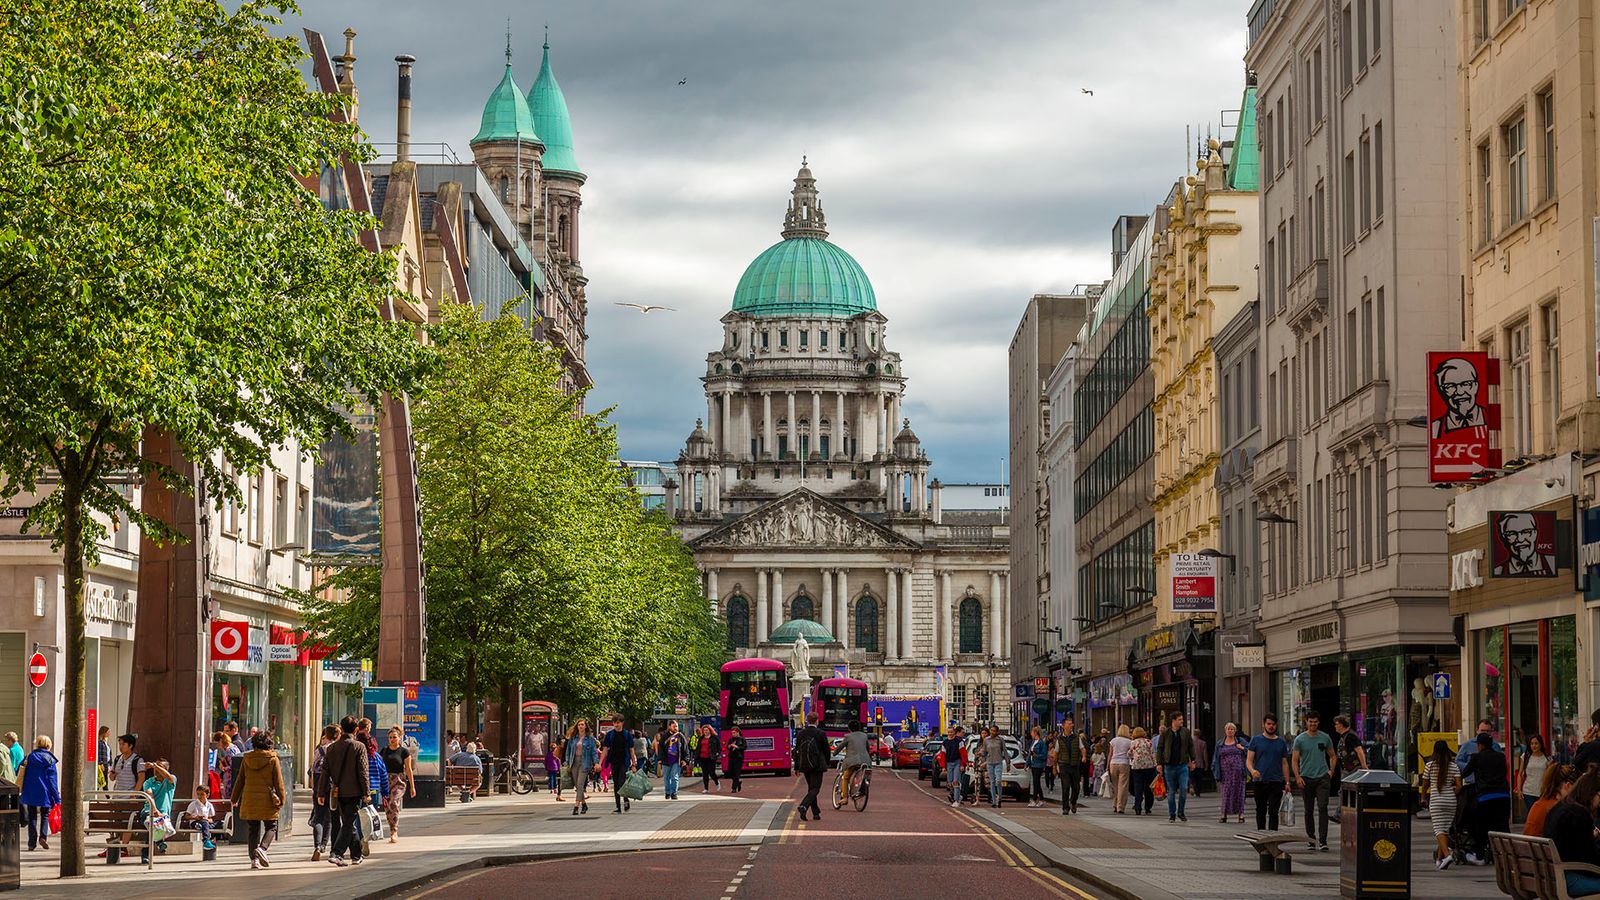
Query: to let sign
(1463, 416)
(1194, 583)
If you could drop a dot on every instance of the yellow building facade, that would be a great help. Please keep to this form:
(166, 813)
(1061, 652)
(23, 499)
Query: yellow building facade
(1203, 272)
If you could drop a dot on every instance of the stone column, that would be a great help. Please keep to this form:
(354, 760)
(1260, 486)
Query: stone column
(762, 619)
(746, 428)
(1005, 594)
(947, 619)
(839, 444)
(794, 428)
(844, 609)
(827, 600)
(778, 597)
(816, 421)
(885, 429)
(711, 589)
(727, 423)
(892, 591)
(997, 626)
(894, 412)
(769, 432)
(712, 432)
(908, 640)
(863, 435)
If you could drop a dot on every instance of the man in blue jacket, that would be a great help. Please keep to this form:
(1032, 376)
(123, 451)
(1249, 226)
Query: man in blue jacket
(618, 744)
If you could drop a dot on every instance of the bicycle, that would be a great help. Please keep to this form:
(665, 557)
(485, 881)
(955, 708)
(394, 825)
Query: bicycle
(860, 783)
(518, 780)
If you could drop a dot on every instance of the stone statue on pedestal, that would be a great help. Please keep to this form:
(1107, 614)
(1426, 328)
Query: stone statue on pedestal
(800, 660)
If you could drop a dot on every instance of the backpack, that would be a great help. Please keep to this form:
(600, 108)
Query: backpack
(808, 754)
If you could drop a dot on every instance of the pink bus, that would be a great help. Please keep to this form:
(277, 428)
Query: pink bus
(755, 697)
(838, 702)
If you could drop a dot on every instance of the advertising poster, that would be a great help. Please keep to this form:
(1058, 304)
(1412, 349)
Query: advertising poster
(1194, 583)
(345, 514)
(1463, 416)
(385, 706)
(535, 740)
(1522, 544)
(424, 711)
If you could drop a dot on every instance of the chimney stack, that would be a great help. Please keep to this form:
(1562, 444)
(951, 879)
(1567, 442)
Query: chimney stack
(402, 122)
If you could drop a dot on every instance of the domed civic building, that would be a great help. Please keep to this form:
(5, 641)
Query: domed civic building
(805, 493)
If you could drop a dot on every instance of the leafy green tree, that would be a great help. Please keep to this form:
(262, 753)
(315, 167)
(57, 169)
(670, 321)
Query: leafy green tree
(161, 267)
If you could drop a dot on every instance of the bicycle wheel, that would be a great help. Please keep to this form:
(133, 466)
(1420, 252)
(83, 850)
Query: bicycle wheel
(838, 790)
(521, 781)
(858, 793)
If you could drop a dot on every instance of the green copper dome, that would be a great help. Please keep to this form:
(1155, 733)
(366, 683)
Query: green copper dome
(506, 116)
(790, 631)
(803, 274)
(551, 120)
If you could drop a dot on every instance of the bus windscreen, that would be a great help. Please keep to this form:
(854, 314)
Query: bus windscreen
(753, 699)
(840, 707)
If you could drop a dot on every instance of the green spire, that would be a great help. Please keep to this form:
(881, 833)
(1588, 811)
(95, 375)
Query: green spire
(1244, 168)
(506, 116)
(551, 120)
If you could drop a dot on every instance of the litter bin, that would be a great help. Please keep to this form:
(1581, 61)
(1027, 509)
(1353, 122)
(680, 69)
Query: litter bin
(10, 836)
(1374, 835)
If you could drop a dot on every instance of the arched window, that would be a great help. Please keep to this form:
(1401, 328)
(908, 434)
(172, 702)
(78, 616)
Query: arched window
(801, 607)
(971, 626)
(867, 624)
(505, 189)
(738, 623)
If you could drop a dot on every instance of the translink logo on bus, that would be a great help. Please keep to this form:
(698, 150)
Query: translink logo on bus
(757, 702)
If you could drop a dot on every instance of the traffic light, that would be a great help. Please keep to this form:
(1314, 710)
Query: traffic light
(877, 713)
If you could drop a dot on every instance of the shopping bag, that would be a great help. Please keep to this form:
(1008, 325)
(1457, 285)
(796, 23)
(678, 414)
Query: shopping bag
(160, 825)
(1286, 811)
(55, 819)
(1159, 786)
(566, 778)
(1103, 785)
(635, 787)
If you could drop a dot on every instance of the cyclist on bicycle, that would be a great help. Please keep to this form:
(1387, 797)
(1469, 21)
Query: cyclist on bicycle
(857, 754)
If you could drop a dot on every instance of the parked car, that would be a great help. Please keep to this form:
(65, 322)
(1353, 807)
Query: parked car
(928, 759)
(907, 754)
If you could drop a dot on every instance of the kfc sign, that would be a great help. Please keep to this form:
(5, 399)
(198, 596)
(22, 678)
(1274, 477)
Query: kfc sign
(1522, 544)
(1462, 420)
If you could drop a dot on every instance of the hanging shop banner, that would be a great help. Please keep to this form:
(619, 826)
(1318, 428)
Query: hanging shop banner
(1249, 656)
(1463, 415)
(1194, 583)
(345, 515)
(1522, 544)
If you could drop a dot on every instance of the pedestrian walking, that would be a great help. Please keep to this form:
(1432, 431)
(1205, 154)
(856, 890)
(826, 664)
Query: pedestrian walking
(1086, 770)
(102, 756)
(377, 778)
(1531, 766)
(552, 769)
(953, 749)
(618, 746)
(673, 749)
(258, 795)
(994, 760)
(1267, 761)
(1312, 765)
(1228, 768)
(1097, 768)
(582, 758)
(1441, 786)
(342, 788)
(1069, 760)
(737, 746)
(1175, 754)
(1120, 762)
(321, 815)
(811, 760)
(1492, 810)
(400, 766)
(1202, 763)
(1039, 755)
(709, 751)
(1050, 761)
(1142, 764)
(41, 791)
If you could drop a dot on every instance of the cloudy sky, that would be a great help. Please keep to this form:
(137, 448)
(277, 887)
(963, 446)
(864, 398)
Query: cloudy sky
(955, 154)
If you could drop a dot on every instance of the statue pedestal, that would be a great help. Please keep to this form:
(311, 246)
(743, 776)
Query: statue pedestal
(799, 690)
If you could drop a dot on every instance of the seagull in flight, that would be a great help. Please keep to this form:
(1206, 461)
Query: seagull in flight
(647, 309)
(684, 80)
(1086, 91)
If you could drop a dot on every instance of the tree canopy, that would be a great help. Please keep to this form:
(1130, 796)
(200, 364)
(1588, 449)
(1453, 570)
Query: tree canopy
(542, 567)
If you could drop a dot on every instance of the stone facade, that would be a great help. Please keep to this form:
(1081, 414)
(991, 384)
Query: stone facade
(800, 498)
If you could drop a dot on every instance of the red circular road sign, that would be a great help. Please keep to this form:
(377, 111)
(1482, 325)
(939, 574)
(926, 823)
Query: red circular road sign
(37, 670)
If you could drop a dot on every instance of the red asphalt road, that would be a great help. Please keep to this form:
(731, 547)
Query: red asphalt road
(906, 844)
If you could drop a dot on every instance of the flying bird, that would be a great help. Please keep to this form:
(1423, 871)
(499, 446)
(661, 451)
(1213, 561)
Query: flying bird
(683, 80)
(1086, 91)
(647, 309)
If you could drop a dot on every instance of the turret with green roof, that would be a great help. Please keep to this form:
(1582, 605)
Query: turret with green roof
(550, 119)
(506, 117)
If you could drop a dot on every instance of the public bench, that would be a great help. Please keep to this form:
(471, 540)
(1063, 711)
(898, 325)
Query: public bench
(1269, 846)
(466, 779)
(1528, 868)
(112, 813)
(221, 831)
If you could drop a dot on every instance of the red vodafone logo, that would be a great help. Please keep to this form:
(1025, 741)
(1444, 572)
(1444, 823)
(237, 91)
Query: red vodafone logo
(230, 641)
(38, 670)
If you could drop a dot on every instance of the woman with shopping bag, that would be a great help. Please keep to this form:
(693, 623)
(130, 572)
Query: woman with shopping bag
(257, 796)
(41, 791)
(1142, 760)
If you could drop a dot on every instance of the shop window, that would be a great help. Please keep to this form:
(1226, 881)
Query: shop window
(1565, 721)
(738, 623)
(971, 625)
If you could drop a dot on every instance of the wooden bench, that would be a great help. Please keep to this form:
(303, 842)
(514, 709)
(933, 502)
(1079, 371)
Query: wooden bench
(466, 779)
(223, 830)
(1269, 847)
(1528, 868)
(112, 813)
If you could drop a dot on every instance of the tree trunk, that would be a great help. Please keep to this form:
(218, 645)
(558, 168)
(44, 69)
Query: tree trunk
(73, 740)
(471, 694)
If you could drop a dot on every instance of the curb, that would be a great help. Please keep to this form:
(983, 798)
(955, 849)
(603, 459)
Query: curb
(1105, 880)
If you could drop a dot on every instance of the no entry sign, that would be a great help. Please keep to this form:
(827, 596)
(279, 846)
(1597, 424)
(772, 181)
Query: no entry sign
(38, 670)
(230, 641)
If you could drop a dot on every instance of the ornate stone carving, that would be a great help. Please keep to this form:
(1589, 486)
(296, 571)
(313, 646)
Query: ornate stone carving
(801, 520)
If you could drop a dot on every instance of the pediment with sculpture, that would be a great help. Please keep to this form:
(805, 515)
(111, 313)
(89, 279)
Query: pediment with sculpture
(803, 520)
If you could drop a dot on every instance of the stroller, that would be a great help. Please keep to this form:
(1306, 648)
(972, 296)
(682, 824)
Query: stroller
(1462, 841)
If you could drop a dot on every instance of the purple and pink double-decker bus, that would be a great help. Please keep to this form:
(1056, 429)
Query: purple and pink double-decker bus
(755, 697)
(838, 702)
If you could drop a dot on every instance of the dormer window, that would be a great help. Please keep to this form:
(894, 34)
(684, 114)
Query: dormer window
(842, 334)
(766, 339)
(805, 335)
(822, 338)
(783, 339)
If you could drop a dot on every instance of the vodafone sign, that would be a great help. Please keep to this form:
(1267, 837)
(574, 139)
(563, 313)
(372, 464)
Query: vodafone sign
(230, 641)
(1463, 416)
